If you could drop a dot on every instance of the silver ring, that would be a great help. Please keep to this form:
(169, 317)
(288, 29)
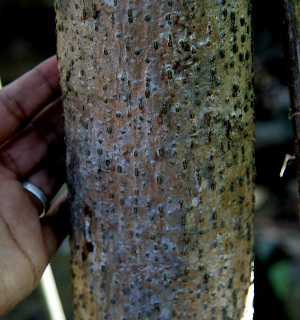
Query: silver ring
(38, 194)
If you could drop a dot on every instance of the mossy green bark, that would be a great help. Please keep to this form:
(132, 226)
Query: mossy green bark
(158, 101)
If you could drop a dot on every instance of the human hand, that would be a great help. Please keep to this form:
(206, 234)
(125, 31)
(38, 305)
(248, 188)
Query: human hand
(32, 149)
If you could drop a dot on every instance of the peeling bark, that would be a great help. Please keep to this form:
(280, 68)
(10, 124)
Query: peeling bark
(158, 101)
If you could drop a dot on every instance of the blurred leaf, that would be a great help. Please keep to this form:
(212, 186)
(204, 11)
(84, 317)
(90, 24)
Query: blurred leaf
(280, 277)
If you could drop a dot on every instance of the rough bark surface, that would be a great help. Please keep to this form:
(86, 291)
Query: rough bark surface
(291, 46)
(159, 119)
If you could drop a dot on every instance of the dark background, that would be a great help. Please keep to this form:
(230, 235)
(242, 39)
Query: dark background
(28, 37)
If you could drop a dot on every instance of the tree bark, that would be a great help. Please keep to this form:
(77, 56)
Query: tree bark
(158, 106)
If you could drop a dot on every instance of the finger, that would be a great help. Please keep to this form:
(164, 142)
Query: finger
(20, 214)
(14, 263)
(33, 144)
(27, 248)
(49, 178)
(56, 225)
(24, 98)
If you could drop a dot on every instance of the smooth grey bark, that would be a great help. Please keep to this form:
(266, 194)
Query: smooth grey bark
(158, 101)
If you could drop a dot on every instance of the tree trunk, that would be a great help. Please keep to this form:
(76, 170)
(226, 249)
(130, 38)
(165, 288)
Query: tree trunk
(159, 129)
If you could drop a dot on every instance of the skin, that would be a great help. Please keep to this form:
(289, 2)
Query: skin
(32, 149)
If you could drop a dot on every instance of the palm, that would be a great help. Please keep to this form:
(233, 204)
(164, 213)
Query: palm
(34, 153)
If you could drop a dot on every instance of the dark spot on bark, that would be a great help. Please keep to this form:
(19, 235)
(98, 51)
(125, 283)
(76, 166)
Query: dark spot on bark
(126, 290)
(185, 46)
(130, 18)
(88, 211)
(235, 89)
(96, 14)
(68, 75)
(232, 18)
(235, 48)
(89, 246)
(222, 53)
(83, 256)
